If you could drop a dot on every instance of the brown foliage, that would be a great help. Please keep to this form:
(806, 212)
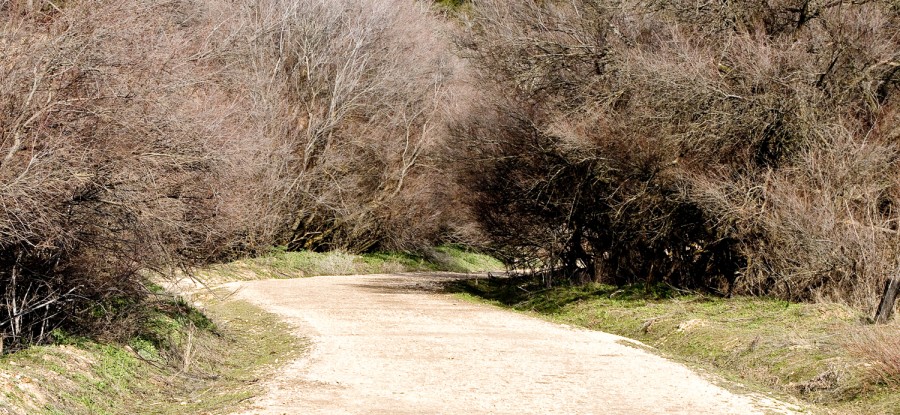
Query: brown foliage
(144, 137)
(353, 97)
(107, 161)
(747, 145)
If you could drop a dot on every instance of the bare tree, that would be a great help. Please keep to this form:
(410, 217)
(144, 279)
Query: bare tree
(355, 92)
(739, 146)
(107, 167)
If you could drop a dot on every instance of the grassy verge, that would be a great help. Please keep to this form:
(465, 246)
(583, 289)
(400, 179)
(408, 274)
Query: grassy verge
(282, 264)
(181, 362)
(822, 354)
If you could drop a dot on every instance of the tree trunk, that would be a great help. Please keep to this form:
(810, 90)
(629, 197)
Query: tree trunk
(886, 307)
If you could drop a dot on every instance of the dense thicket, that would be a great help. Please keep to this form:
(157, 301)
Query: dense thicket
(733, 146)
(729, 146)
(139, 138)
(354, 101)
(104, 171)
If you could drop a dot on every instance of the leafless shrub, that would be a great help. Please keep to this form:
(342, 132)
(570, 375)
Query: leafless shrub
(731, 146)
(105, 170)
(353, 92)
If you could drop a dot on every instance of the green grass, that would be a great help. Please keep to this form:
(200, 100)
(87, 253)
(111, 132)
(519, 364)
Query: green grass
(799, 350)
(453, 5)
(181, 362)
(279, 263)
(459, 259)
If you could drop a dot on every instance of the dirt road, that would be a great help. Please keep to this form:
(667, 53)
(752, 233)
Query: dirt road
(391, 344)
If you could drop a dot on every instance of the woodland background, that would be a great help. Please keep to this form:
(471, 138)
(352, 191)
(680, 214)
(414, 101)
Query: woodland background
(733, 147)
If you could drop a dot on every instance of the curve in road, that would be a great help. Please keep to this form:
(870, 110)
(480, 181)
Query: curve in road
(394, 344)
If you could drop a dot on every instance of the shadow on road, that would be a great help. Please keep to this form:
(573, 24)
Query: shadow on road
(446, 282)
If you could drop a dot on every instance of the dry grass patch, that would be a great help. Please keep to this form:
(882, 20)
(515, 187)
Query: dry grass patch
(880, 346)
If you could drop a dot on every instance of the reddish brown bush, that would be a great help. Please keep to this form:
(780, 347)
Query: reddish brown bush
(145, 137)
(353, 93)
(108, 162)
(730, 146)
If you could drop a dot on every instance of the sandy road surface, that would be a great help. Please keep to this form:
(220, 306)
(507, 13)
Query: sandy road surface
(390, 344)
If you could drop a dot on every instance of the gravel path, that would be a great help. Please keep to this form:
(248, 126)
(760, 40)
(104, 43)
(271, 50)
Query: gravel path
(392, 344)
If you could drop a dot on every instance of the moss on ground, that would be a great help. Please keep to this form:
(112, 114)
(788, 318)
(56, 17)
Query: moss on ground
(800, 350)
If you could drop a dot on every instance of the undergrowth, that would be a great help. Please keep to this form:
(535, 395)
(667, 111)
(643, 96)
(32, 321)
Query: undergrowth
(809, 351)
(280, 263)
(180, 361)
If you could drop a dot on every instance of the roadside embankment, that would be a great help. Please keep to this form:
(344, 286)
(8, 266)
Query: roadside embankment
(826, 354)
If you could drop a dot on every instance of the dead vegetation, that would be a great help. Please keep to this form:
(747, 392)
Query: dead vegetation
(104, 173)
(143, 138)
(879, 346)
(353, 95)
(747, 147)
